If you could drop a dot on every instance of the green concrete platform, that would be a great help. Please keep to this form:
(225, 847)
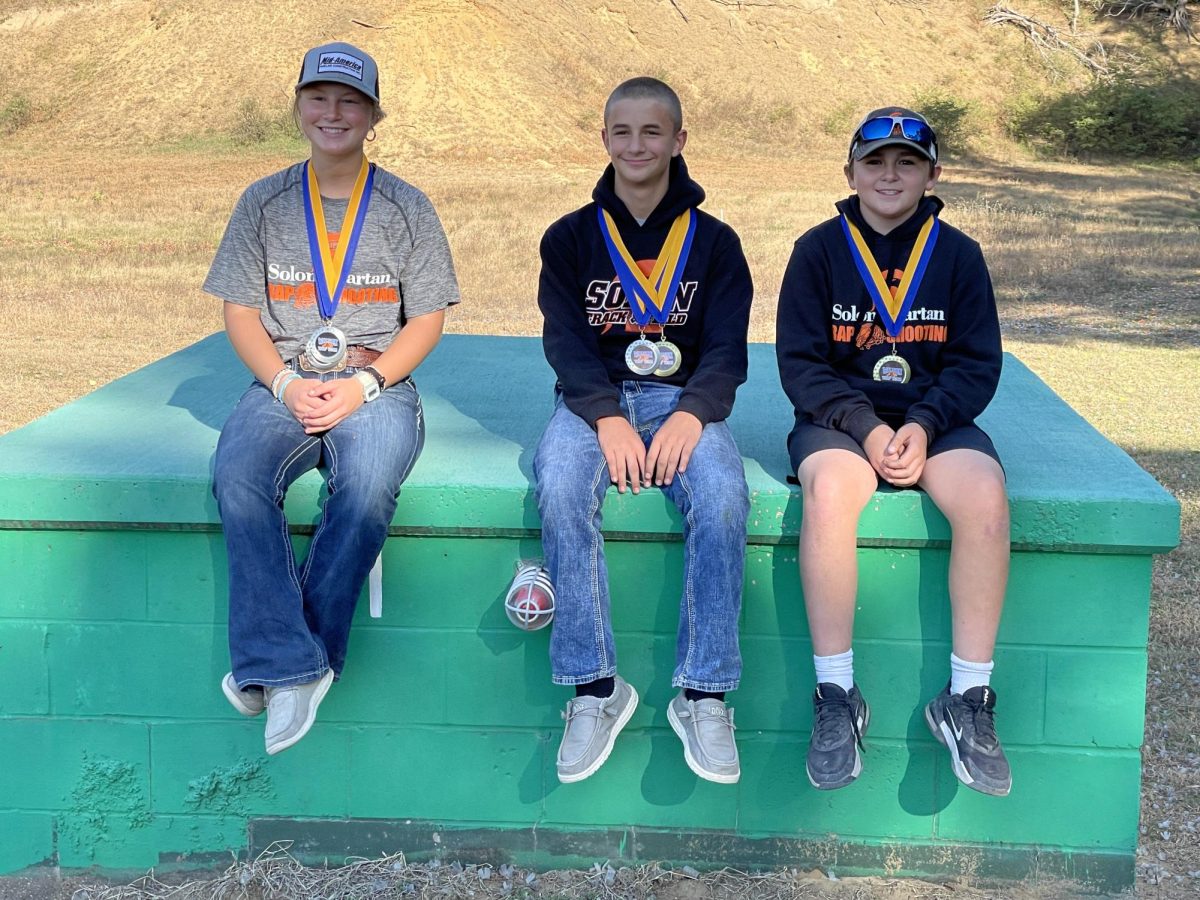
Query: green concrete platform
(120, 752)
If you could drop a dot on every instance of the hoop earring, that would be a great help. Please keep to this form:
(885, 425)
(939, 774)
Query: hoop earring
(371, 134)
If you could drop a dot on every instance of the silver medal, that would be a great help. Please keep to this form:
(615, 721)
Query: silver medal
(326, 349)
(642, 357)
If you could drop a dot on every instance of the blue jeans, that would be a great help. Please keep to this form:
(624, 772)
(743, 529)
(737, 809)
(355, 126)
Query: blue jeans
(572, 479)
(288, 624)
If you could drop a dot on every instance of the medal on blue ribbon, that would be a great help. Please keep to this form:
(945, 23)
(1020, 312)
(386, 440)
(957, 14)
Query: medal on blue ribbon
(650, 297)
(326, 349)
(892, 309)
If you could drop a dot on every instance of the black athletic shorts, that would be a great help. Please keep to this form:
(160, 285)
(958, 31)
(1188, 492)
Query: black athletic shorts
(807, 438)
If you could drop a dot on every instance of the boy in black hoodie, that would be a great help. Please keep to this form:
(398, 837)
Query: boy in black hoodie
(889, 347)
(646, 302)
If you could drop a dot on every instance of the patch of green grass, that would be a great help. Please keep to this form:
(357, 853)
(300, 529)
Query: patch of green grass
(223, 143)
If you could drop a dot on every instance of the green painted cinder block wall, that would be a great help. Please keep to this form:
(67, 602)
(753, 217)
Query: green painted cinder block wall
(120, 752)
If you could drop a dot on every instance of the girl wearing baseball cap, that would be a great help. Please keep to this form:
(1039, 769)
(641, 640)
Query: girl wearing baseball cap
(335, 276)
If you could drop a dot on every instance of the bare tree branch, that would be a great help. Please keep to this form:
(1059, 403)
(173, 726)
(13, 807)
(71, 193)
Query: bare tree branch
(1047, 39)
(1172, 13)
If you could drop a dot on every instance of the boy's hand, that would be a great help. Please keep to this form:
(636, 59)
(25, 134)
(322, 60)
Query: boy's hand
(904, 456)
(876, 445)
(672, 447)
(623, 451)
(330, 403)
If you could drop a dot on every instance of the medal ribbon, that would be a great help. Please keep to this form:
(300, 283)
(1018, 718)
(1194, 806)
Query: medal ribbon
(892, 310)
(651, 296)
(331, 269)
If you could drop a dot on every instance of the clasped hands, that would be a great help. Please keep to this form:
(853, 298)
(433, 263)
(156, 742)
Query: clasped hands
(630, 461)
(320, 405)
(898, 455)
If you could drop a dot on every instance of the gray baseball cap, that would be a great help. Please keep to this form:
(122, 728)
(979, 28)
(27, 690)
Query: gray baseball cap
(341, 63)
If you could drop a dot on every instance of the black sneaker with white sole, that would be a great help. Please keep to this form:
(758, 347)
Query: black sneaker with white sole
(965, 724)
(840, 720)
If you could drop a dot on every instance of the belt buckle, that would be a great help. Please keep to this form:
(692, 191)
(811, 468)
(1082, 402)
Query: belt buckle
(306, 364)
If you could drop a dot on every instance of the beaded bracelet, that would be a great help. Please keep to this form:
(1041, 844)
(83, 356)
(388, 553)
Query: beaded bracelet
(283, 386)
(275, 380)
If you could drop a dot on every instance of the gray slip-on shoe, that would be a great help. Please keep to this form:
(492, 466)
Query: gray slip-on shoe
(593, 724)
(291, 711)
(250, 702)
(706, 729)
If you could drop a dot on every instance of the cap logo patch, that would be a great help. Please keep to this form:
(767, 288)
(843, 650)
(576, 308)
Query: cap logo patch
(341, 63)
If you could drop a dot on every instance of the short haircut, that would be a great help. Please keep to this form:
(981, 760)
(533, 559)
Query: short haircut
(647, 88)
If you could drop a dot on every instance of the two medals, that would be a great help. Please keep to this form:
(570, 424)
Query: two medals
(661, 358)
(651, 297)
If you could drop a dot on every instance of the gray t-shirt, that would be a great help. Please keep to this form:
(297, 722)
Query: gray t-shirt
(402, 267)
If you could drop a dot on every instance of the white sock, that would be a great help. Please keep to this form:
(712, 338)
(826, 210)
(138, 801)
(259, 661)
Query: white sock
(837, 669)
(966, 675)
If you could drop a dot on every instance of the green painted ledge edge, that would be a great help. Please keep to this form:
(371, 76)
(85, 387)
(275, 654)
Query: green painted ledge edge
(136, 454)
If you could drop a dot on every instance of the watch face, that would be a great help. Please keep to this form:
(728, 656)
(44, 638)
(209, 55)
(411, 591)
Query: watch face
(369, 385)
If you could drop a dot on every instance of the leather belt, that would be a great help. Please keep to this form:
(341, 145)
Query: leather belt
(356, 358)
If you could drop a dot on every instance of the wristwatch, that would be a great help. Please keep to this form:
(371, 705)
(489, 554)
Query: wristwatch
(370, 387)
(377, 375)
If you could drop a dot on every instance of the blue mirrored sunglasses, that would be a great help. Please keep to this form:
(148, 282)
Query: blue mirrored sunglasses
(912, 129)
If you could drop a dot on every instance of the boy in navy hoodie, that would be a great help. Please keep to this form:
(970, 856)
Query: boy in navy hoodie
(646, 302)
(889, 347)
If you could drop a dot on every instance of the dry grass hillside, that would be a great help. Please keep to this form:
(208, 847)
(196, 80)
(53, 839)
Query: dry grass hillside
(498, 78)
(120, 159)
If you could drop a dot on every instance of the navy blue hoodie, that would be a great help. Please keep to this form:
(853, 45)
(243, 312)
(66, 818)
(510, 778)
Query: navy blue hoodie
(587, 324)
(828, 340)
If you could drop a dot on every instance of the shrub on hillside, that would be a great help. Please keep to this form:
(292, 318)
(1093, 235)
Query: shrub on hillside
(840, 121)
(949, 117)
(1121, 118)
(254, 125)
(16, 114)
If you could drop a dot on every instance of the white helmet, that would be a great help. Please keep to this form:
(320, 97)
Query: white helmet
(530, 601)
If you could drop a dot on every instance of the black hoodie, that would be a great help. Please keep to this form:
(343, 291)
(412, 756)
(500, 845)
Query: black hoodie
(828, 339)
(588, 325)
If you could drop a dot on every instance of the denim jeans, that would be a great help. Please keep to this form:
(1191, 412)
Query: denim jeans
(289, 623)
(572, 479)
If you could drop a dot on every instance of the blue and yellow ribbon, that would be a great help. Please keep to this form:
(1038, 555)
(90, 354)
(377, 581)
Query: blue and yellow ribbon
(330, 269)
(893, 310)
(650, 296)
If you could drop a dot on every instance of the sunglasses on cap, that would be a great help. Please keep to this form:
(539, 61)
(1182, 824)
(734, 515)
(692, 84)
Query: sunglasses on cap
(914, 131)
